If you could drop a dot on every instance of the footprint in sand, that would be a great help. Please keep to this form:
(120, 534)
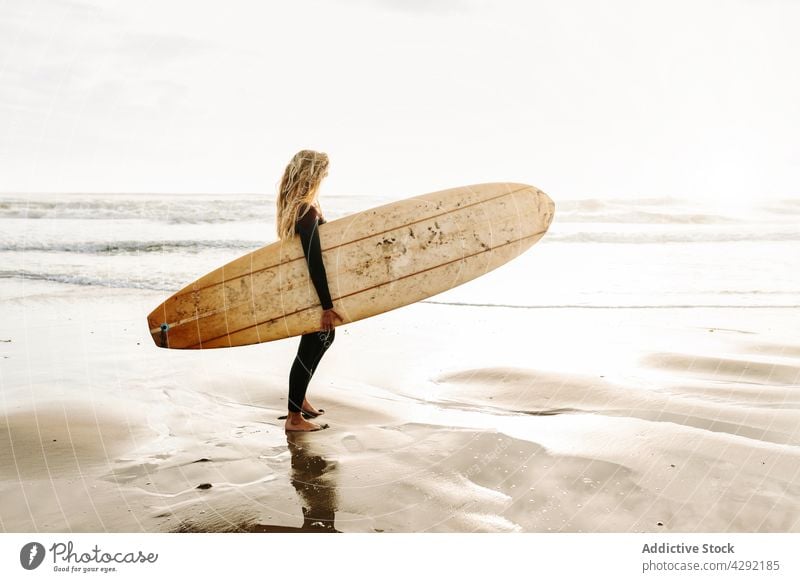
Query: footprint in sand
(243, 431)
(353, 444)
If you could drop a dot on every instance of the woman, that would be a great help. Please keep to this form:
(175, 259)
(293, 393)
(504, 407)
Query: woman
(298, 212)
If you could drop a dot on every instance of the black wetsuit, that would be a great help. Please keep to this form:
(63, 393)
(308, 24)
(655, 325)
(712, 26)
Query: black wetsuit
(312, 345)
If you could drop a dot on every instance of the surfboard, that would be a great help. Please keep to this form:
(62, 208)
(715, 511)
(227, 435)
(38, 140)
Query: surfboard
(376, 260)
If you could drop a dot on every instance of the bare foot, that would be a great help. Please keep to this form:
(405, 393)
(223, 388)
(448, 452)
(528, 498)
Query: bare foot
(295, 422)
(310, 410)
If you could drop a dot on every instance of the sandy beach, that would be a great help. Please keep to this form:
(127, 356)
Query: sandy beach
(443, 418)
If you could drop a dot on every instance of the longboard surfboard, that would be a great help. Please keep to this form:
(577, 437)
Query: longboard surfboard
(375, 260)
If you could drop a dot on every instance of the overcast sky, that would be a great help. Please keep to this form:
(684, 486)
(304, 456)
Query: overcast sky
(582, 98)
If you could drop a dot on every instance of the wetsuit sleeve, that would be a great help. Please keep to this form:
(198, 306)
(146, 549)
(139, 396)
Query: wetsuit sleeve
(309, 237)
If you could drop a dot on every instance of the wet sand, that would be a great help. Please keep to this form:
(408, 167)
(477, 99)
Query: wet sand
(443, 418)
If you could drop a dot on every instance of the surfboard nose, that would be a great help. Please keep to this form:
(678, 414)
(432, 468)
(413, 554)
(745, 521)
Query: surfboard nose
(549, 210)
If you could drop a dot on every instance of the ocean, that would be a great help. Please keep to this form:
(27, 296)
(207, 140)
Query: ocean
(655, 253)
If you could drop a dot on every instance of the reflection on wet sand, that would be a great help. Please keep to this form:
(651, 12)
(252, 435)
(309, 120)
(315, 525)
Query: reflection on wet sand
(313, 478)
(310, 474)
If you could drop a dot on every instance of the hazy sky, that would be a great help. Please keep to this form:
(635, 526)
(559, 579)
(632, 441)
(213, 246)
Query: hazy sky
(582, 98)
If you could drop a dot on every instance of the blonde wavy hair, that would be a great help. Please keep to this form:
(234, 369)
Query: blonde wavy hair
(299, 185)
